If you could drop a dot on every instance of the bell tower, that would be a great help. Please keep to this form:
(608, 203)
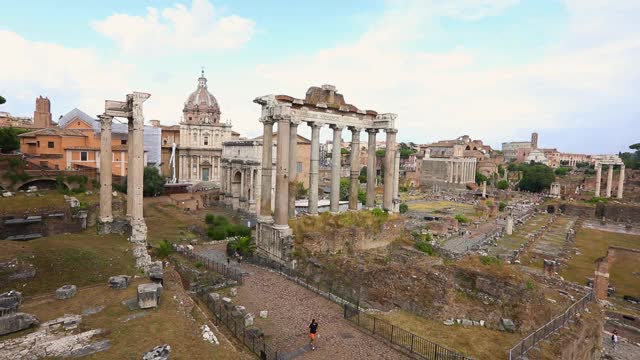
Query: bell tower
(42, 115)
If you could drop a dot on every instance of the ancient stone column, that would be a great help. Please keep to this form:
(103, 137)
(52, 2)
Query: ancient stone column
(267, 168)
(609, 180)
(354, 183)
(371, 168)
(389, 169)
(293, 167)
(450, 165)
(334, 205)
(138, 157)
(620, 182)
(243, 193)
(130, 167)
(314, 168)
(598, 178)
(106, 157)
(509, 228)
(282, 174)
(484, 189)
(465, 171)
(396, 182)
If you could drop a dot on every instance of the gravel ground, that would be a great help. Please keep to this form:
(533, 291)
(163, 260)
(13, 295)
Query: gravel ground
(623, 351)
(291, 308)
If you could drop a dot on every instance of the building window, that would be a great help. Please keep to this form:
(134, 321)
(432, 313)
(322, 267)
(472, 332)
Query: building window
(206, 140)
(123, 142)
(299, 167)
(84, 156)
(50, 144)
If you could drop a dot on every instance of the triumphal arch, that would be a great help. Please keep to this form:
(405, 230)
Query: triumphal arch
(321, 106)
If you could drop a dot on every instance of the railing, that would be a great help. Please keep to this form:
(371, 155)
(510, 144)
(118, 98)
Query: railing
(222, 269)
(549, 328)
(254, 341)
(399, 337)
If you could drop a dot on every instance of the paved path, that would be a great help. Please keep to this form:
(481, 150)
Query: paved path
(623, 351)
(291, 308)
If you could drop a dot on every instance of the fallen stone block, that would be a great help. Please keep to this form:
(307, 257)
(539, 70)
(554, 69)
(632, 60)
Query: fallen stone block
(93, 310)
(119, 282)
(161, 352)
(149, 295)
(214, 297)
(467, 322)
(248, 319)
(264, 314)
(70, 322)
(227, 303)
(156, 273)
(16, 322)
(449, 322)
(10, 302)
(508, 325)
(238, 311)
(66, 292)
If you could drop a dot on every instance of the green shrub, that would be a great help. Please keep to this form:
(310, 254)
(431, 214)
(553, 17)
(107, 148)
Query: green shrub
(220, 221)
(425, 247)
(502, 205)
(244, 246)
(462, 219)
(404, 208)
(530, 285)
(209, 218)
(199, 264)
(217, 233)
(164, 249)
(596, 200)
(237, 230)
(503, 184)
(489, 260)
(377, 212)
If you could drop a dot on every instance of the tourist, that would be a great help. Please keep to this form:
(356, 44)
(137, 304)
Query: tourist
(240, 259)
(313, 333)
(614, 338)
(228, 260)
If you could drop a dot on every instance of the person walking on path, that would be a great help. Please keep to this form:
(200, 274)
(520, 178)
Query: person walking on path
(313, 333)
(614, 338)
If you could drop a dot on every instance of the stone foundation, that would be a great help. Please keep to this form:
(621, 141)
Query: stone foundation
(16, 322)
(273, 242)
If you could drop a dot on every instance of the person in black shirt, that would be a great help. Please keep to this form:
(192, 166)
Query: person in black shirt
(313, 331)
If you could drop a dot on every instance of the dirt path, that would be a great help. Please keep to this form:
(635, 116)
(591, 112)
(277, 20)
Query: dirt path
(291, 308)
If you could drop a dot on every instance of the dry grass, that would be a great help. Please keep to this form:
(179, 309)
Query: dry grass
(592, 244)
(326, 221)
(443, 206)
(171, 323)
(80, 259)
(477, 342)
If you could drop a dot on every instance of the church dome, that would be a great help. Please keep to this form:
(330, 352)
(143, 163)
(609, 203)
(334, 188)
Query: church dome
(203, 102)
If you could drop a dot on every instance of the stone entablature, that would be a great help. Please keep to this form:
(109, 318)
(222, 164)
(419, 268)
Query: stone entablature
(610, 161)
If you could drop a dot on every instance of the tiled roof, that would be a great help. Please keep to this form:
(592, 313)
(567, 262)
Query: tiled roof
(53, 131)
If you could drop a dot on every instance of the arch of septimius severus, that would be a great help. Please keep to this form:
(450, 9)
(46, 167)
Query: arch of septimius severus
(321, 107)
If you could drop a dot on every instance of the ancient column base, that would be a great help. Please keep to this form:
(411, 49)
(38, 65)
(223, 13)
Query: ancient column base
(104, 226)
(274, 242)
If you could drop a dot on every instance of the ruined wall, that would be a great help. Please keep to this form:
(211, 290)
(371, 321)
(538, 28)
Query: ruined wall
(353, 238)
(619, 212)
(577, 210)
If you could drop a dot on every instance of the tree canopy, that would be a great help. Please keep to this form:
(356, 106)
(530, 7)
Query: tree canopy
(2, 100)
(632, 159)
(536, 177)
(9, 140)
(153, 181)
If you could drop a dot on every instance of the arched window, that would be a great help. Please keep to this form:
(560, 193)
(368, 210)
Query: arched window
(206, 139)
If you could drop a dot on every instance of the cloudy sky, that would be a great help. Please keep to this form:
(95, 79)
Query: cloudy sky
(493, 69)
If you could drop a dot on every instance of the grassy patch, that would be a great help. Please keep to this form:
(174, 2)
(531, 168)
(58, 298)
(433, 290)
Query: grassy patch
(172, 323)
(325, 221)
(477, 342)
(80, 259)
(51, 200)
(592, 244)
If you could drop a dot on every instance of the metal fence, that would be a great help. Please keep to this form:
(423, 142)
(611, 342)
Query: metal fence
(549, 328)
(222, 269)
(399, 337)
(249, 337)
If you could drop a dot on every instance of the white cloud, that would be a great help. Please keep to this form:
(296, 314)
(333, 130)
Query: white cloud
(443, 95)
(177, 28)
(34, 68)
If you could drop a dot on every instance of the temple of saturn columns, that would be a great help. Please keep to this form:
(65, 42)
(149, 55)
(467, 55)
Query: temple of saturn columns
(610, 162)
(321, 107)
(131, 109)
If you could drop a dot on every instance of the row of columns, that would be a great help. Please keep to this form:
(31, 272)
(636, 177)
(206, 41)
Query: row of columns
(187, 163)
(461, 171)
(286, 160)
(609, 180)
(135, 170)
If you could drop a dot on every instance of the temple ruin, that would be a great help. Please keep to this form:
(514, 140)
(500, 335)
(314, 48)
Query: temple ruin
(131, 109)
(610, 161)
(322, 106)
